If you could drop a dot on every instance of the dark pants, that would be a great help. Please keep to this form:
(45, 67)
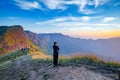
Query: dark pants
(119, 74)
(55, 59)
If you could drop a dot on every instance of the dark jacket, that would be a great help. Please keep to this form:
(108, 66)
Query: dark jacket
(55, 49)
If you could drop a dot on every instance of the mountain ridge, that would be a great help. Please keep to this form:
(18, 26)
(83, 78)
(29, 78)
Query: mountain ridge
(75, 37)
(102, 47)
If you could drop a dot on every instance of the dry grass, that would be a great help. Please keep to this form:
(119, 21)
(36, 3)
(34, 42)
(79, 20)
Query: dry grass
(40, 55)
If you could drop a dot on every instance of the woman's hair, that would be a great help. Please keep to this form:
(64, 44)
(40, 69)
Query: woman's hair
(55, 43)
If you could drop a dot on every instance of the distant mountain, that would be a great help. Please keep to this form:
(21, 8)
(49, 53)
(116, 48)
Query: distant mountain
(68, 45)
(40, 42)
(13, 38)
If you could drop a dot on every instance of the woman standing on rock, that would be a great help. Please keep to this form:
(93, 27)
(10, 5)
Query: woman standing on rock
(55, 53)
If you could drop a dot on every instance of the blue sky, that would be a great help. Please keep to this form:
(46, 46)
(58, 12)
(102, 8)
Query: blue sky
(77, 18)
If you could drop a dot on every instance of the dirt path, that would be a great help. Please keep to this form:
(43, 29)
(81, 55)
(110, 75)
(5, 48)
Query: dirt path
(66, 73)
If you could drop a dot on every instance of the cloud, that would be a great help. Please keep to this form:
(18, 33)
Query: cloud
(54, 4)
(100, 2)
(85, 18)
(85, 21)
(117, 4)
(27, 5)
(84, 7)
(108, 19)
(84, 25)
(11, 17)
(82, 4)
(68, 19)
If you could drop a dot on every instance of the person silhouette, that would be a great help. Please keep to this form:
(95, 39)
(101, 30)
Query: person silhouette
(55, 54)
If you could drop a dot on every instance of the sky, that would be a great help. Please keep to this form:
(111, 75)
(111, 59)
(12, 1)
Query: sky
(89, 19)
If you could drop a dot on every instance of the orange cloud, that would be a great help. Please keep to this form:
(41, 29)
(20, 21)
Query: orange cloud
(95, 34)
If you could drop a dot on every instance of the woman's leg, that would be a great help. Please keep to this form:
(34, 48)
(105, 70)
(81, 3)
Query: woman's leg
(55, 59)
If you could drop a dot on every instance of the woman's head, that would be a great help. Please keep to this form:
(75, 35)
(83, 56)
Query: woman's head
(55, 43)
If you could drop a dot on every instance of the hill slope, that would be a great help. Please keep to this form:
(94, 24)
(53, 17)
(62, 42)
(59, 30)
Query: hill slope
(13, 38)
(40, 42)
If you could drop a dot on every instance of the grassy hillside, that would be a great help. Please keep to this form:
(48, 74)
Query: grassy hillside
(13, 38)
(88, 60)
(13, 55)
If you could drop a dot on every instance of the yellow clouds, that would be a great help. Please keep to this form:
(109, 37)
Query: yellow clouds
(95, 34)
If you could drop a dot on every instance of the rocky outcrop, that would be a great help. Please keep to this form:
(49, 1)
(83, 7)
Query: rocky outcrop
(13, 38)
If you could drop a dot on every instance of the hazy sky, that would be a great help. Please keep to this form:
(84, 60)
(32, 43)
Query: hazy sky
(78, 18)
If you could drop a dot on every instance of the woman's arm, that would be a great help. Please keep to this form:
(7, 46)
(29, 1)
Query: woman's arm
(58, 48)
